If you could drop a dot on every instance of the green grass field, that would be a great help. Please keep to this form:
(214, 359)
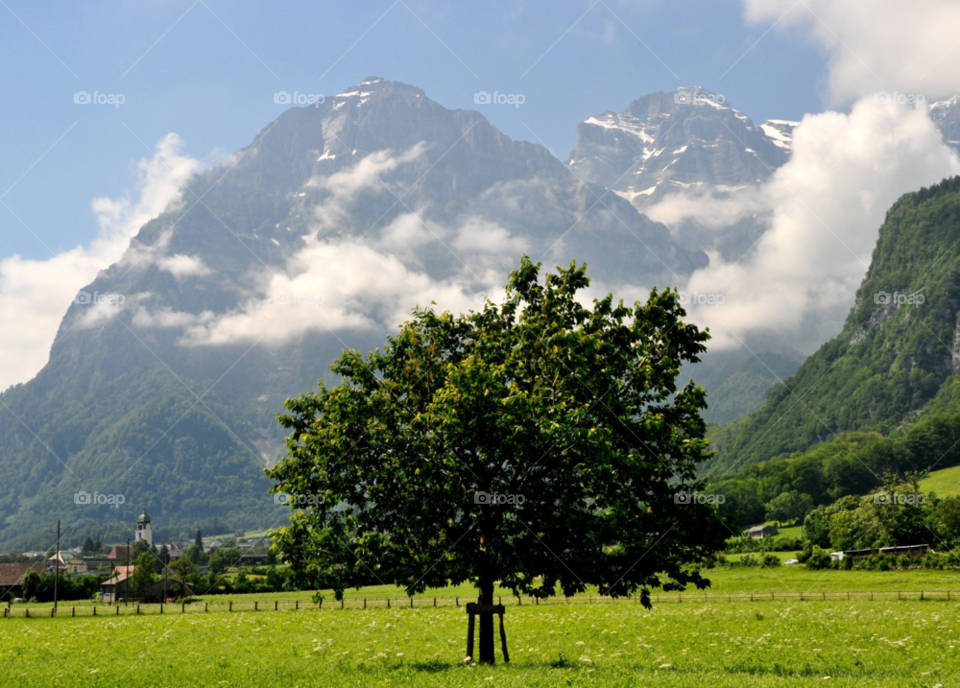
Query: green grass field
(945, 483)
(621, 644)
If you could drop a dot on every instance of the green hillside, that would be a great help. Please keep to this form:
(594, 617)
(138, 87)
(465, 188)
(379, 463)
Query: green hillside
(892, 363)
(946, 482)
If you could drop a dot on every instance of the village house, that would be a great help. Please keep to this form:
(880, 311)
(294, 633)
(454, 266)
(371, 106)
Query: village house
(100, 565)
(120, 553)
(68, 563)
(11, 578)
(117, 586)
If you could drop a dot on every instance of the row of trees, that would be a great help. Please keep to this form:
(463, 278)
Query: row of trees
(786, 488)
(896, 514)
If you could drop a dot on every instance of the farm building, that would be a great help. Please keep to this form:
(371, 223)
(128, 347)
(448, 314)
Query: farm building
(11, 578)
(760, 532)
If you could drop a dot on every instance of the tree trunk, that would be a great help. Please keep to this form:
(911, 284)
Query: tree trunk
(486, 622)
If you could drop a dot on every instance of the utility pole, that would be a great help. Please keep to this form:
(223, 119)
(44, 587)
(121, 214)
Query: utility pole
(56, 575)
(126, 582)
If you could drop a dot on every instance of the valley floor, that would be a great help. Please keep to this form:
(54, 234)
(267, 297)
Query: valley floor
(907, 643)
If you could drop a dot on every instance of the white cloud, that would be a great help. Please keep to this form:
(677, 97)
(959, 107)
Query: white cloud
(330, 286)
(343, 186)
(34, 294)
(181, 266)
(827, 205)
(881, 45)
(335, 284)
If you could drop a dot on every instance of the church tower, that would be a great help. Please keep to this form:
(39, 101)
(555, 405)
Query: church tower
(144, 529)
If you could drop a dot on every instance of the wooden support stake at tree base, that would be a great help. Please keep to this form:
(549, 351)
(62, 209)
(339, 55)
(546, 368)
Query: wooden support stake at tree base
(470, 623)
(472, 610)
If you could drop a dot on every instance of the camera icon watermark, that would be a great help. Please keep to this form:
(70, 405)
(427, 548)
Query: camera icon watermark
(85, 298)
(284, 98)
(83, 498)
(685, 497)
(481, 297)
(701, 299)
(97, 98)
(684, 97)
(900, 498)
(294, 299)
(486, 499)
(882, 298)
(297, 500)
(914, 100)
(484, 98)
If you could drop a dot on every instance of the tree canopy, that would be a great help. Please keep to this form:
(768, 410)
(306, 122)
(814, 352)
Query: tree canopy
(540, 443)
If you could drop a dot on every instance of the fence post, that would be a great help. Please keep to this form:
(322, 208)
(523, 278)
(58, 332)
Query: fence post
(27, 610)
(275, 605)
(297, 604)
(458, 601)
(364, 602)
(342, 600)
(73, 611)
(138, 610)
(388, 603)
(411, 603)
(52, 611)
(183, 607)
(94, 611)
(205, 607)
(434, 601)
(256, 606)
(118, 610)
(231, 607)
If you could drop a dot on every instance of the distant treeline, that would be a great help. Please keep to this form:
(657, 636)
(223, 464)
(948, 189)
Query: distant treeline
(851, 464)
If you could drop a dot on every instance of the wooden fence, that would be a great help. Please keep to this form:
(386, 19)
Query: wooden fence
(134, 609)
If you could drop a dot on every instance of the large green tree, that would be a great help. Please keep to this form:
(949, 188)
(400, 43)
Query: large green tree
(540, 443)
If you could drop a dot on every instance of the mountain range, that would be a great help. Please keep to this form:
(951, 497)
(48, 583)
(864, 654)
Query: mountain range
(168, 370)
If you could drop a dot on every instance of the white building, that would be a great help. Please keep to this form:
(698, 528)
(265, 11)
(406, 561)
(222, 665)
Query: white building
(144, 529)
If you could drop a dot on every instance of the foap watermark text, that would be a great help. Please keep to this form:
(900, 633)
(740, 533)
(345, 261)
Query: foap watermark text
(84, 498)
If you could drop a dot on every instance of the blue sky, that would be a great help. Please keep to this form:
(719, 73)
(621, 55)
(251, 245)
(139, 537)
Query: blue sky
(207, 70)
